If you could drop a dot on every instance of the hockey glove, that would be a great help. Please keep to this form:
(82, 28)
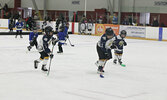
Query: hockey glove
(51, 56)
(54, 41)
(125, 44)
(67, 36)
(113, 47)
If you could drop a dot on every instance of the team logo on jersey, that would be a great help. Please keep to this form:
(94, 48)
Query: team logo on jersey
(121, 43)
(45, 39)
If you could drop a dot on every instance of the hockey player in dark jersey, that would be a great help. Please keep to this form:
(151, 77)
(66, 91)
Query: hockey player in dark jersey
(119, 44)
(104, 49)
(19, 26)
(33, 38)
(43, 48)
(62, 37)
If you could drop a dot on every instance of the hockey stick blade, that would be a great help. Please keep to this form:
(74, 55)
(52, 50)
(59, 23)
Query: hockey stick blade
(123, 65)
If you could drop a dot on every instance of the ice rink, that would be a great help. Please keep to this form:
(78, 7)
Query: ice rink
(73, 74)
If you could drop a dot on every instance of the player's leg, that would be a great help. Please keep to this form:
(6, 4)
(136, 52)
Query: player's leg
(60, 48)
(46, 58)
(36, 62)
(102, 59)
(120, 58)
(36, 43)
(115, 57)
(20, 33)
(17, 32)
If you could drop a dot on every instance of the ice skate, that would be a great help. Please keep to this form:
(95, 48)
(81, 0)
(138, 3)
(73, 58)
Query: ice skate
(36, 64)
(44, 68)
(115, 61)
(29, 48)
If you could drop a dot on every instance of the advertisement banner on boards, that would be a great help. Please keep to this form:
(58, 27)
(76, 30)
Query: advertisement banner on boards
(134, 31)
(100, 28)
(4, 23)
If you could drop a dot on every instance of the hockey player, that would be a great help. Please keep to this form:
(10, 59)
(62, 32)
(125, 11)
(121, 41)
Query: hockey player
(33, 38)
(119, 44)
(62, 37)
(104, 49)
(43, 48)
(19, 26)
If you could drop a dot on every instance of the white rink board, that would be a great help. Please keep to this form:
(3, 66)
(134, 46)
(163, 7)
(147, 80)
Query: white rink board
(134, 31)
(4, 23)
(152, 32)
(164, 35)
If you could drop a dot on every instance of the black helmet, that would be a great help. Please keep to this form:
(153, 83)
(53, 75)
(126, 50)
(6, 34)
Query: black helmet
(34, 28)
(48, 29)
(109, 32)
(123, 32)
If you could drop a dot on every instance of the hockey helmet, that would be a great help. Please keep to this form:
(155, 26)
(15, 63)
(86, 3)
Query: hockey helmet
(48, 29)
(34, 28)
(109, 32)
(123, 33)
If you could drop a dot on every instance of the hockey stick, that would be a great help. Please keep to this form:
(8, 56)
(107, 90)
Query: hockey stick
(50, 62)
(70, 42)
(101, 73)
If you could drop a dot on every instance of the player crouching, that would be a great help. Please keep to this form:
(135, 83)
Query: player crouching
(104, 49)
(43, 48)
(119, 44)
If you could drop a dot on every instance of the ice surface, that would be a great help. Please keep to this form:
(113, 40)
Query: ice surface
(73, 74)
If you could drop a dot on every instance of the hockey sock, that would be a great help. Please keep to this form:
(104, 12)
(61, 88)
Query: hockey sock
(45, 60)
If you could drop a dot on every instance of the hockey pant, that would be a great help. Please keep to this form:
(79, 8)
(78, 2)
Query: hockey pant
(43, 57)
(19, 32)
(34, 42)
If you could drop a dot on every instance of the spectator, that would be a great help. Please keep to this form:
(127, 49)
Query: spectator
(100, 20)
(125, 21)
(29, 22)
(155, 22)
(163, 25)
(115, 19)
(83, 19)
(5, 8)
(11, 24)
(130, 20)
(16, 15)
(36, 17)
